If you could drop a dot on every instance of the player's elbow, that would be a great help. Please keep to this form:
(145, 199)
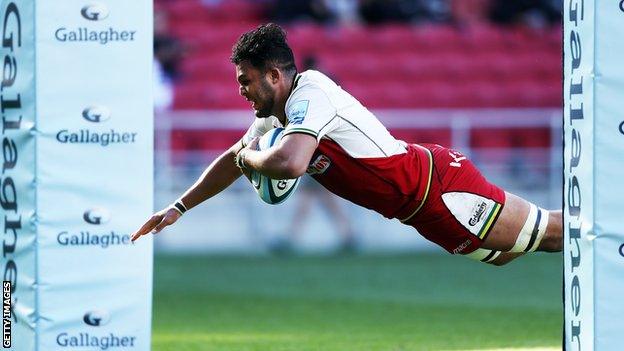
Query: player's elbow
(294, 169)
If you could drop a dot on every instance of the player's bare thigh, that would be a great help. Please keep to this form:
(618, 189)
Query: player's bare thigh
(510, 222)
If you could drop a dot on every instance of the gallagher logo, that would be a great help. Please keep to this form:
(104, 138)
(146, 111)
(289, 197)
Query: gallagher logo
(94, 12)
(96, 114)
(96, 318)
(96, 216)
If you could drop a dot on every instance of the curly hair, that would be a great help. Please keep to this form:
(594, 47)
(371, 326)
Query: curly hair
(264, 47)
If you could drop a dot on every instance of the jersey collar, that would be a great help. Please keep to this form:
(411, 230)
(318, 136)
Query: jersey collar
(292, 88)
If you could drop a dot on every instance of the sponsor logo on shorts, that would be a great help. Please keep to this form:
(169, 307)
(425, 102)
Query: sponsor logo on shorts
(319, 166)
(622, 127)
(478, 211)
(462, 247)
(622, 250)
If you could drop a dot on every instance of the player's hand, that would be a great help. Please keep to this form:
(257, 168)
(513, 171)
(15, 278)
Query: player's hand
(253, 145)
(157, 222)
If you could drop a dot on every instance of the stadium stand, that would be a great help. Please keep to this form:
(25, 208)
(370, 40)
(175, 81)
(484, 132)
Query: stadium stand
(389, 66)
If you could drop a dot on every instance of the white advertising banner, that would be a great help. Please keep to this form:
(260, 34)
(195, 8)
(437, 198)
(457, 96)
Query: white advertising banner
(93, 117)
(593, 158)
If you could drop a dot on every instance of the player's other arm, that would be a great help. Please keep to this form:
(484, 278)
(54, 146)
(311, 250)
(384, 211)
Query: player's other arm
(290, 159)
(220, 174)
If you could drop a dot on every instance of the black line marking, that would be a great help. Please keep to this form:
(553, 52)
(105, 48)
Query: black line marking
(535, 230)
(326, 124)
(489, 257)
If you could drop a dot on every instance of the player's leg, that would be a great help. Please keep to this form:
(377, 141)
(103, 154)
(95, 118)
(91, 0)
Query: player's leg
(524, 227)
(495, 257)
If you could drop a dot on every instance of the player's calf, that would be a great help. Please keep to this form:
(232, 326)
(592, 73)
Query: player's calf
(524, 227)
(541, 231)
(553, 238)
(493, 257)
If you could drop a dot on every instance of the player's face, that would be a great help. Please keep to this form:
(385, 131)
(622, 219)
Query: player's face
(256, 88)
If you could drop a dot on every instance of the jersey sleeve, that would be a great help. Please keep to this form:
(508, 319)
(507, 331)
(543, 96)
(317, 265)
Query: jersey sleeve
(257, 129)
(310, 112)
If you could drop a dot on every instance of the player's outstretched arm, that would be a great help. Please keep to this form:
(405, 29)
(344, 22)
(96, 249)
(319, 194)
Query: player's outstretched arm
(221, 173)
(288, 160)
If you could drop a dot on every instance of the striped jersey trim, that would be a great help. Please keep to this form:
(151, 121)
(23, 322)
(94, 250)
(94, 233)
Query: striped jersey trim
(430, 176)
(490, 220)
(301, 130)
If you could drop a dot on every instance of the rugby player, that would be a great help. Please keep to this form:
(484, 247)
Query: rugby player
(333, 138)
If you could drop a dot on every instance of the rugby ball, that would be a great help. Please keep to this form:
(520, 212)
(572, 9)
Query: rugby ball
(272, 191)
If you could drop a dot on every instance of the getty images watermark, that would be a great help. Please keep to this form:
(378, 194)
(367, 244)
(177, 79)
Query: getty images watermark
(6, 314)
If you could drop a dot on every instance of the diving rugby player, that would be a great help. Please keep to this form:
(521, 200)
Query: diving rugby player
(333, 138)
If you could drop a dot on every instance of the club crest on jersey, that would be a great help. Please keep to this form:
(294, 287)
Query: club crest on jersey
(319, 166)
(298, 111)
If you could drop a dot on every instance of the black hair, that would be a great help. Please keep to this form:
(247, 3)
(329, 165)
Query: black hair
(264, 47)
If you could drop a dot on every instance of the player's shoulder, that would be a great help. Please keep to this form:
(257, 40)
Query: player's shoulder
(266, 123)
(313, 82)
(311, 86)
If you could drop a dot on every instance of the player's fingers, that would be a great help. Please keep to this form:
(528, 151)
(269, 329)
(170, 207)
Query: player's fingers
(147, 227)
(165, 222)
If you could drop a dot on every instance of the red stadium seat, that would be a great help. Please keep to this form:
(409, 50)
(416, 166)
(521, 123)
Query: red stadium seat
(399, 66)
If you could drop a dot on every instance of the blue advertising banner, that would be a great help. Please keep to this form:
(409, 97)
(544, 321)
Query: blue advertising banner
(94, 172)
(17, 184)
(594, 145)
(578, 154)
(77, 173)
(608, 169)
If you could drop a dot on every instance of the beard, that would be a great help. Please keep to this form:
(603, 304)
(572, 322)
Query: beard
(267, 100)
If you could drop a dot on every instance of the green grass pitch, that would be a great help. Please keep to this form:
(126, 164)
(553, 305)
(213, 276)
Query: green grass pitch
(363, 303)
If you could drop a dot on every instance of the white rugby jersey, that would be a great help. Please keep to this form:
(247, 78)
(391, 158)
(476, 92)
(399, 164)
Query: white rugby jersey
(356, 158)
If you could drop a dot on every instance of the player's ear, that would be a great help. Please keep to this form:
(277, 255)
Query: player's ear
(274, 75)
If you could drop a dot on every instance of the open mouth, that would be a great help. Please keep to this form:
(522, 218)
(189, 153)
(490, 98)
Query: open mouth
(253, 103)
